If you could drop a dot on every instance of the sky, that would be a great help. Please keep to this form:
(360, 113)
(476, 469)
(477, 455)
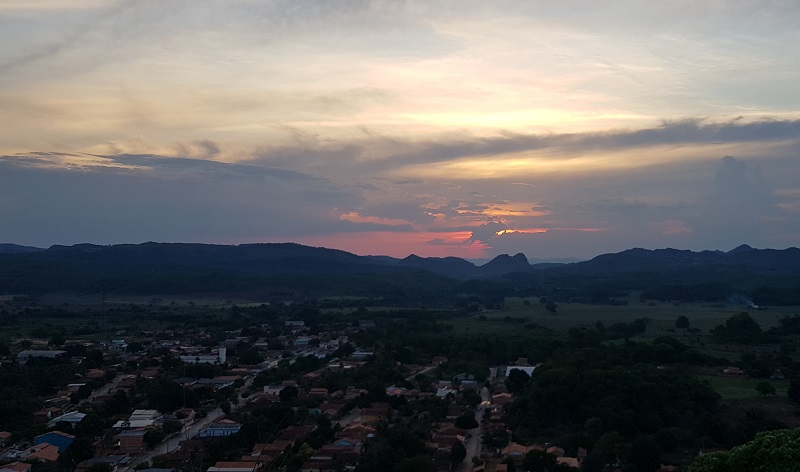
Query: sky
(555, 128)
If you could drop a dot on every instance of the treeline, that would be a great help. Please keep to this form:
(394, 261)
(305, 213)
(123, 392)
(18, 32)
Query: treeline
(625, 410)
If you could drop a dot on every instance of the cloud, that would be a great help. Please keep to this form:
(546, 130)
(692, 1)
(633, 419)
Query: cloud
(164, 199)
(566, 146)
(70, 40)
(487, 232)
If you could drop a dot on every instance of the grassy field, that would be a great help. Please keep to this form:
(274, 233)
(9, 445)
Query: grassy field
(742, 388)
(703, 316)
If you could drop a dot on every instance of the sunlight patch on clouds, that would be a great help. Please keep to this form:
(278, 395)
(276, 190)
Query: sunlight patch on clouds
(422, 243)
(355, 217)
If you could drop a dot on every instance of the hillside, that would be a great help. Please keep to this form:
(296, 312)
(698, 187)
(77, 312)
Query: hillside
(174, 268)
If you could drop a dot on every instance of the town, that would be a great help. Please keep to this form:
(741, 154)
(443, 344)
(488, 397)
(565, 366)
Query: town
(319, 386)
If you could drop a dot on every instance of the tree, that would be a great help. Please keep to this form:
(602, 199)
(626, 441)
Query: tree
(517, 379)
(682, 322)
(765, 388)
(739, 328)
(539, 461)
(153, 437)
(457, 453)
(495, 438)
(288, 393)
(607, 450)
(80, 450)
(770, 451)
(250, 357)
(466, 421)
(794, 390)
(644, 454)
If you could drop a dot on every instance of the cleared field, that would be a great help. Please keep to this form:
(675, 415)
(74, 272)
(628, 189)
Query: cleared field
(743, 388)
(662, 315)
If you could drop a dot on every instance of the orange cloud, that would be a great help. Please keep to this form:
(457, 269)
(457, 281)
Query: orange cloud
(355, 217)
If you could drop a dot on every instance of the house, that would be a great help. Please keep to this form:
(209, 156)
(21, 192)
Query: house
(572, 462)
(298, 433)
(130, 441)
(217, 383)
(44, 452)
(356, 431)
(220, 428)
(240, 466)
(515, 451)
(346, 455)
(113, 463)
(502, 399)
(220, 358)
(320, 464)
(266, 453)
(57, 438)
(318, 392)
(555, 451)
(23, 356)
(733, 372)
(139, 419)
(16, 467)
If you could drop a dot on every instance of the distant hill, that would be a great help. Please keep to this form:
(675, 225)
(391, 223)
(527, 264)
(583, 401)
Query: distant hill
(163, 268)
(17, 249)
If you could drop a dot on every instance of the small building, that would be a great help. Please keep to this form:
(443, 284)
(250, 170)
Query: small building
(318, 392)
(139, 419)
(73, 418)
(24, 356)
(220, 429)
(113, 462)
(240, 466)
(130, 441)
(16, 467)
(5, 438)
(220, 358)
(44, 452)
(572, 462)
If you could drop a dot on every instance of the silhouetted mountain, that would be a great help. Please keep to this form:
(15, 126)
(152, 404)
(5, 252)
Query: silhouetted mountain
(450, 266)
(17, 249)
(742, 248)
(743, 258)
(156, 268)
(504, 264)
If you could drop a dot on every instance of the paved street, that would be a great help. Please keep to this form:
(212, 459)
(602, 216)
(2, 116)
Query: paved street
(474, 441)
(172, 443)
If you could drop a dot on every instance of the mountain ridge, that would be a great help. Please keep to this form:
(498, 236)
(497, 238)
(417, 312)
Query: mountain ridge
(183, 267)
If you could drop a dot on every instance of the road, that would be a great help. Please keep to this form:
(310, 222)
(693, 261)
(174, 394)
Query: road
(172, 443)
(189, 431)
(475, 439)
(105, 389)
(423, 371)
